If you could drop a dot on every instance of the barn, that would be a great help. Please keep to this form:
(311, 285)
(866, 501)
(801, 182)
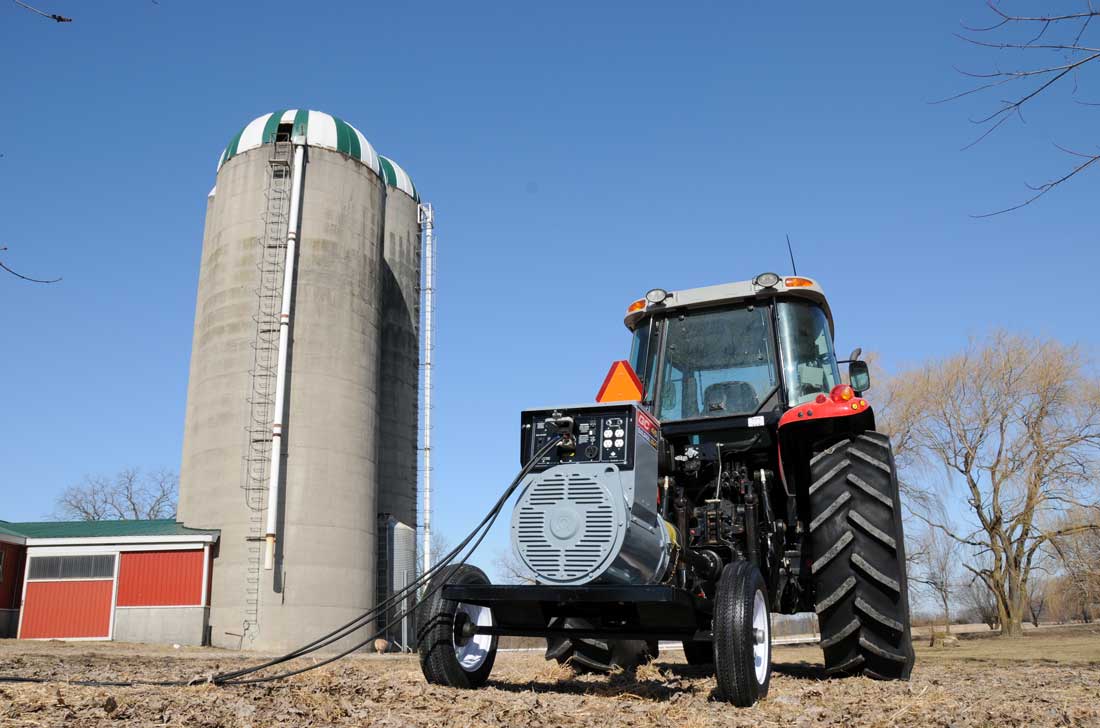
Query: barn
(132, 581)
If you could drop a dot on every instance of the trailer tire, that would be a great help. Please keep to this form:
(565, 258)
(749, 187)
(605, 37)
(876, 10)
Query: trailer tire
(858, 559)
(742, 635)
(597, 655)
(445, 657)
(698, 652)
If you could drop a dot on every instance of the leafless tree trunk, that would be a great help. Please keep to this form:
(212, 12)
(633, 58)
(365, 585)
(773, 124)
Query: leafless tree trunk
(1016, 423)
(1036, 598)
(127, 496)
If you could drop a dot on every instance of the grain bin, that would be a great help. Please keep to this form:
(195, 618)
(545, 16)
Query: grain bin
(400, 346)
(298, 189)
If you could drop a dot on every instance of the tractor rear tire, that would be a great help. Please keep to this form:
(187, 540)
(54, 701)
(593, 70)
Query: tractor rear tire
(697, 652)
(597, 655)
(446, 657)
(742, 635)
(858, 552)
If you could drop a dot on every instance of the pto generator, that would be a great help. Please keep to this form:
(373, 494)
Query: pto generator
(725, 473)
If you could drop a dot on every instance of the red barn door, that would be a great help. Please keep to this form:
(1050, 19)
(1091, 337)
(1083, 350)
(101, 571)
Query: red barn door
(67, 609)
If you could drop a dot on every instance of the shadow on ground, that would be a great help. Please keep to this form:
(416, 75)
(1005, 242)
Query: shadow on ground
(653, 690)
(678, 679)
(800, 670)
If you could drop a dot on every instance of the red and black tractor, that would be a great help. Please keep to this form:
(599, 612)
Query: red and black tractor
(726, 473)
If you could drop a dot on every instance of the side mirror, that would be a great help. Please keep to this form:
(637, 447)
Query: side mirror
(859, 376)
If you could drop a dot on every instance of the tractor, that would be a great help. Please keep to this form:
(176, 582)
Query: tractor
(726, 472)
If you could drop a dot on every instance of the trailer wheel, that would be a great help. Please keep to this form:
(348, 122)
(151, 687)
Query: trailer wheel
(858, 566)
(446, 656)
(697, 652)
(596, 655)
(742, 635)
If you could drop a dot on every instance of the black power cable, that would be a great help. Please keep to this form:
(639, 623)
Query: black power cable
(348, 629)
(234, 677)
(368, 640)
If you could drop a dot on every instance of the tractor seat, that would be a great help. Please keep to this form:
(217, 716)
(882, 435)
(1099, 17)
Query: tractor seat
(731, 397)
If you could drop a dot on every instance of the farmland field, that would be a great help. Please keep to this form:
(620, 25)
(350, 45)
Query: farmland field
(1048, 677)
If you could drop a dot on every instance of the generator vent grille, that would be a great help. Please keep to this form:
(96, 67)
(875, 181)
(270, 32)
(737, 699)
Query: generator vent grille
(565, 526)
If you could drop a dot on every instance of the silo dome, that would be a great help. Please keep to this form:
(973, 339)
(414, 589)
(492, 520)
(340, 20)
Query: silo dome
(317, 128)
(397, 177)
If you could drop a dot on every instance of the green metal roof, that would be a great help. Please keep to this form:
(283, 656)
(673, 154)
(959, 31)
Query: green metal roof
(100, 529)
(314, 128)
(397, 177)
(5, 531)
(318, 129)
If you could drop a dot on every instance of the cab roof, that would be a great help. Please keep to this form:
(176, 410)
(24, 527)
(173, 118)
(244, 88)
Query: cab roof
(787, 287)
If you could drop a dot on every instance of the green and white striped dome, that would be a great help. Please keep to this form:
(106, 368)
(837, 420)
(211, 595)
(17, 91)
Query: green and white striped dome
(317, 128)
(397, 177)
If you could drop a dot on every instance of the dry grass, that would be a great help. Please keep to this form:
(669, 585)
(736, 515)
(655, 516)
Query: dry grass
(1047, 678)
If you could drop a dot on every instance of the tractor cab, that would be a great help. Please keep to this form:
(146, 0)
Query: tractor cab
(734, 350)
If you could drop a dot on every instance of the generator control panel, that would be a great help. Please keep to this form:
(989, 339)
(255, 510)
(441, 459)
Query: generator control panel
(590, 434)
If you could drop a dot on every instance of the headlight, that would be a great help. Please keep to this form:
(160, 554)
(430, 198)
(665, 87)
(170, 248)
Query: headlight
(657, 295)
(766, 280)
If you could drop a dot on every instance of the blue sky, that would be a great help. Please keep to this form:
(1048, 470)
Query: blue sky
(577, 154)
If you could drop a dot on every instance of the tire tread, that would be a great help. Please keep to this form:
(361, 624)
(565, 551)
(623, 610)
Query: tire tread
(858, 552)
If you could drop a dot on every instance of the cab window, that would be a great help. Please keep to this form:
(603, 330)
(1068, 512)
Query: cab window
(806, 345)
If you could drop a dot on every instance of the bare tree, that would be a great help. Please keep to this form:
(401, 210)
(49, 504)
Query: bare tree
(937, 569)
(1077, 552)
(1015, 422)
(1036, 597)
(982, 603)
(1035, 53)
(440, 546)
(130, 495)
(510, 570)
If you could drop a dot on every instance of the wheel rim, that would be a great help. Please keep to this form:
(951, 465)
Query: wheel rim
(473, 651)
(761, 637)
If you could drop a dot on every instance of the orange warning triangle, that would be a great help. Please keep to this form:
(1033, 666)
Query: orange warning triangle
(621, 384)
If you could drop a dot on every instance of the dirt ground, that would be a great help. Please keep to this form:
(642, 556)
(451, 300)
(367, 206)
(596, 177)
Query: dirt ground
(1050, 677)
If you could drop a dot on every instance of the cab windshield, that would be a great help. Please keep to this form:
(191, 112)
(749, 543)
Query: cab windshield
(717, 363)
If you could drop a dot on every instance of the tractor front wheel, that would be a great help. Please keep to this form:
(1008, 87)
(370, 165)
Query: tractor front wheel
(697, 652)
(585, 654)
(858, 566)
(742, 635)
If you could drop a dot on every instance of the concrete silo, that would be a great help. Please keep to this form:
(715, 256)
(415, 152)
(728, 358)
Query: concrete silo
(400, 346)
(301, 189)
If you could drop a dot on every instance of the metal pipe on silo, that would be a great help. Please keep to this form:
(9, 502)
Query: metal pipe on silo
(427, 223)
(294, 219)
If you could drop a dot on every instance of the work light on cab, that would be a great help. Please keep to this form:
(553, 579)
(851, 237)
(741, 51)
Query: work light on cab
(767, 280)
(656, 296)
